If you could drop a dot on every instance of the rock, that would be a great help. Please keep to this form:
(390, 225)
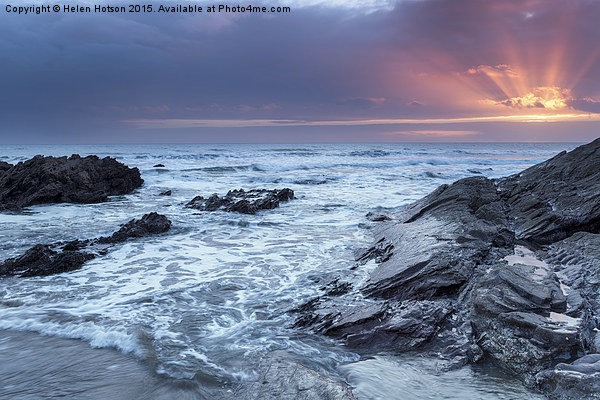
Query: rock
(4, 166)
(282, 378)
(576, 262)
(60, 257)
(75, 244)
(245, 202)
(577, 380)
(310, 181)
(478, 171)
(166, 193)
(41, 260)
(379, 216)
(65, 180)
(455, 226)
(149, 224)
(159, 166)
(504, 269)
(552, 200)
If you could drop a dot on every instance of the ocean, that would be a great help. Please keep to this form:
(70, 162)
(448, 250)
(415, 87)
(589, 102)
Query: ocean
(193, 311)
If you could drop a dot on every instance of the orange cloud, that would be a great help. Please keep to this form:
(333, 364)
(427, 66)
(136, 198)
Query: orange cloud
(546, 97)
(501, 70)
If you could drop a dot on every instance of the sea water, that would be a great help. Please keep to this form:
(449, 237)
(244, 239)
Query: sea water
(204, 302)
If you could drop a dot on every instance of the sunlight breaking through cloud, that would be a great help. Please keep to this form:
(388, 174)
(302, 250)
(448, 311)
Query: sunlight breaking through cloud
(546, 97)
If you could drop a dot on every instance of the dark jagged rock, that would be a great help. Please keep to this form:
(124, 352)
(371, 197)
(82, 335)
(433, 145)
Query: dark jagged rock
(552, 200)
(65, 180)
(508, 269)
(149, 224)
(75, 244)
(4, 166)
(41, 260)
(60, 257)
(447, 250)
(577, 380)
(159, 166)
(282, 378)
(245, 202)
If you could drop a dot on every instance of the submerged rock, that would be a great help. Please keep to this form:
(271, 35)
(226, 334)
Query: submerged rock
(60, 257)
(65, 180)
(508, 269)
(245, 202)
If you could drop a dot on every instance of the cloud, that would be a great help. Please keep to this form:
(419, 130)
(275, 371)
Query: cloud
(364, 102)
(367, 5)
(501, 70)
(586, 104)
(157, 109)
(246, 123)
(265, 107)
(434, 133)
(244, 108)
(549, 98)
(377, 60)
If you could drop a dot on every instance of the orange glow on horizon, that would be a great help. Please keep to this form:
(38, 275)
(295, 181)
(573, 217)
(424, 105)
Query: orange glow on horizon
(237, 123)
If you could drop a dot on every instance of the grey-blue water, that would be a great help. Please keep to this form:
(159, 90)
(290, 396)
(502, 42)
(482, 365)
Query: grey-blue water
(194, 310)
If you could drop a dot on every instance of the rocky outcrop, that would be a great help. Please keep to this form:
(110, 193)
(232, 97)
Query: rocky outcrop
(552, 200)
(245, 202)
(65, 180)
(149, 224)
(507, 269)
(42, 260)
(60, 257)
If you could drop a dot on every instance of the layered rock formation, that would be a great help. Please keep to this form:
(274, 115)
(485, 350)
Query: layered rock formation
(60, 257)
(245, 202)
(508, 269)
(64, 180)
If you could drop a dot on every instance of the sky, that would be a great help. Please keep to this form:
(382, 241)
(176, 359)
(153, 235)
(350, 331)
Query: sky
(327, 71)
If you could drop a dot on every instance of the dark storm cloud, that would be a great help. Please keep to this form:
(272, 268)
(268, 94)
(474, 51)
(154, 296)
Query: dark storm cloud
(65, 68)
(68, 77)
